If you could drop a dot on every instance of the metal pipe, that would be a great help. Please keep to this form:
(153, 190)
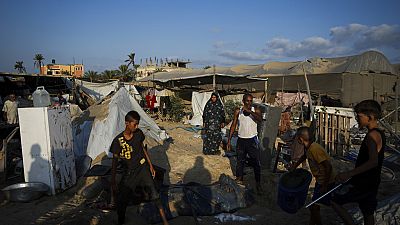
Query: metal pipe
(327, 193)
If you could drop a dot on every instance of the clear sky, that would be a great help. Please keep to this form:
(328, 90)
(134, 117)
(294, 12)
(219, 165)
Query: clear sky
(222, 32)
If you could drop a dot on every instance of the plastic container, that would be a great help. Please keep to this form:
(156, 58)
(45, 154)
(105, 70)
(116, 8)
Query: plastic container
(293, 189)
(41, 97)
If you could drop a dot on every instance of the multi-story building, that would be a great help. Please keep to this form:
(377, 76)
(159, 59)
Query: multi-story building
(75, 70)
(148, 68)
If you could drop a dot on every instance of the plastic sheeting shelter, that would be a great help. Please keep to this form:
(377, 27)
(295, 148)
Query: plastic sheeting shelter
(100, 90)
(225, 78)
(350, 79)
(102, 131)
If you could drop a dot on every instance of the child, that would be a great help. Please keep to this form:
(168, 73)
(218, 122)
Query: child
(136, 165)
(366, 176)
(321, 169)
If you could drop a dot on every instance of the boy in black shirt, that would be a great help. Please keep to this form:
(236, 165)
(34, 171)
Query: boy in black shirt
(127, 147)
(366, 176)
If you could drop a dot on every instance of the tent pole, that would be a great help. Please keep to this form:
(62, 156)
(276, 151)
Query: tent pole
(309, 94)
(283, 84)
(214, 82)
(265, 91)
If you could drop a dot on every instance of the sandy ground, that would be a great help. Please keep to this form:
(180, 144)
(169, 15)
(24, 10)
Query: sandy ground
(183, 159)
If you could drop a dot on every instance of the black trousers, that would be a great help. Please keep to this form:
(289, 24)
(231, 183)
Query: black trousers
(130, 180)
(248, 147)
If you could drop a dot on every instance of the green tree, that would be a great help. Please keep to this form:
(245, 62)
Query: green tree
(92, 75)
(124, 72)
(108, 74)
(230, 106)
(38, 61)
(20, 67)
(177, 111)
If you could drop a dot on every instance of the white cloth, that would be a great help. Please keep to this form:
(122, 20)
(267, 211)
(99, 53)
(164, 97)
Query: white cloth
(247, 126)
(199, 101)
(11, 109)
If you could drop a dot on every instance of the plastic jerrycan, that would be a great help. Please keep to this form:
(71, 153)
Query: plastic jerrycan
(41, 97)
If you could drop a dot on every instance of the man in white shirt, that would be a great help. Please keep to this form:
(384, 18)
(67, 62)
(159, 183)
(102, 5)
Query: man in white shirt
(10, 110)
(247, 118)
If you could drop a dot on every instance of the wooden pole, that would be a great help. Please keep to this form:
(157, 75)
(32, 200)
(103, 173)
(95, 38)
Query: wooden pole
(309, 94)
(266, 91)
(283, 84)
(214, 82)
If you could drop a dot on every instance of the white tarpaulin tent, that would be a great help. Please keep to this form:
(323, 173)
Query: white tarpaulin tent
(96, 90)
(100, 90)
(104, 130)
(199, 101)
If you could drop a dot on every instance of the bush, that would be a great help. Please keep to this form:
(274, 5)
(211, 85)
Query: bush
(177, 111)
(230, 107)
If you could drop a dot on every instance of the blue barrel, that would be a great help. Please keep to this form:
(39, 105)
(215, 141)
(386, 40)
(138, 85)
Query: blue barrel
(293, 189)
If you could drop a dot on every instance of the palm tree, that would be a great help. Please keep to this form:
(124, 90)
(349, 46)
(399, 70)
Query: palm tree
(20, 67)
(91, 75)
(131, 61)
(38, 61)
(124, 72)
(108, 74)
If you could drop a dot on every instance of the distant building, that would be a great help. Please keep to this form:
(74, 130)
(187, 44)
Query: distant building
(75, 70)
(149, 67)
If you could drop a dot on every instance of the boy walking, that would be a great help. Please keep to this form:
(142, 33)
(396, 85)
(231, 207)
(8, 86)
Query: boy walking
(366, 176)
(321, 169)
(127, 147)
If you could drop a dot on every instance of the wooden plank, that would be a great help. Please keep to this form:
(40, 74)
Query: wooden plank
(326, 125)
(347, 133)
(334, 129)
(340, 135)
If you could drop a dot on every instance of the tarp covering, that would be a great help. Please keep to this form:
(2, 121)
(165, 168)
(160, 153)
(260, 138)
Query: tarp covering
(199, 77)
(199, 101)
(387, 212)
(289, 99)
(96, 90)
(100, 90)
(103, 130)
(367, 61)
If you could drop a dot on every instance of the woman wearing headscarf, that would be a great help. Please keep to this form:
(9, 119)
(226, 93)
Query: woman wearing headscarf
(213, 121)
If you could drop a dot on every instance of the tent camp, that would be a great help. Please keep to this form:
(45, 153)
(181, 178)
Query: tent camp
(350, 79)
(95, 129)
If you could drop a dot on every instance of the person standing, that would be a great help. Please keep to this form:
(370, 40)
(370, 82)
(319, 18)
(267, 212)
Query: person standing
(366, 176)
(127, 147)
(10, 110)
(247, 117)
(213, 121)
(151, 100)
(321, 169)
